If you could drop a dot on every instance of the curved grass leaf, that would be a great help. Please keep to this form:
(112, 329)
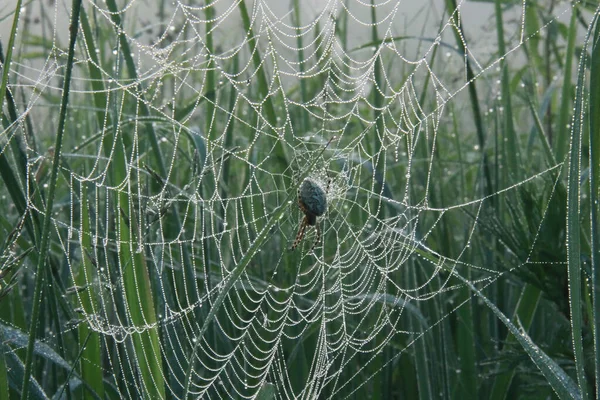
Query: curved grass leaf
(559, 380)
(594, 113)
(574, 244)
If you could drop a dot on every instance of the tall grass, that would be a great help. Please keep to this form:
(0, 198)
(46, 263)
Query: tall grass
(129, 258)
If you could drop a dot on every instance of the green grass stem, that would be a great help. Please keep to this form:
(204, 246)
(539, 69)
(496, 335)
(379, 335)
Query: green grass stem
(4, 383)
(299, 43)
(539, 128)
(559, 380)
(263, 85)
(594, 114)
(188, 269)
(91, 352)
(422, 355)
(211, 95)
(524, 313)
(9, 50)
(46, 227)
(462, 44)
(512, 146)
(562, 140)
(574, 244)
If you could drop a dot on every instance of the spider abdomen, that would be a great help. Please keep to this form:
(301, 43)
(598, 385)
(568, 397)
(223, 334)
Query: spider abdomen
(313, 198)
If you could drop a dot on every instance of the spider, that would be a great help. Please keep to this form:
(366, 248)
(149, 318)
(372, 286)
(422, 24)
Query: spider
(312, 200)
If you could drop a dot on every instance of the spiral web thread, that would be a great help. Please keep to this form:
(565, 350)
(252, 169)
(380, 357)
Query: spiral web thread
(365, 123)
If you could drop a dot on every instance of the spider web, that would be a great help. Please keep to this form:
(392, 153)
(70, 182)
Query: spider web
(179, 180)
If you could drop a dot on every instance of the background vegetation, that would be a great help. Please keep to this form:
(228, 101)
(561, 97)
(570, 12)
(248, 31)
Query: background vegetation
(125, 191)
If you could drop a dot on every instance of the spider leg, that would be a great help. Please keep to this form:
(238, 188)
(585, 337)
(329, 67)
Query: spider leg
(300, 233)
(329, 179)
(318, 236)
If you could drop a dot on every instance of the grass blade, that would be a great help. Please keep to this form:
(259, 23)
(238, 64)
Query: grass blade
(211, 95)
(562, 384)
(3, 371)
(461, 42)
(524, 312)
(421, 355)
(263, 86)
(91, 371)
(512, 151)
(465, 338)
(301, 68)
(594, 113)
(188, 270)
(574, 243)
(46, 227)
(550, 159)
(565, 106)
(9, 50)
(558, 379)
